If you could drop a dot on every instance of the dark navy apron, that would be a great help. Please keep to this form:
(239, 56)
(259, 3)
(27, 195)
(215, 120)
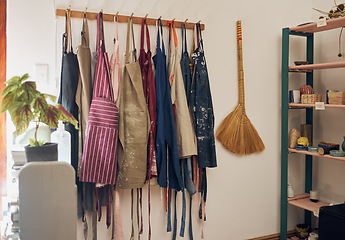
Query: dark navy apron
(68, 89)
(166, 143)
(202, 112)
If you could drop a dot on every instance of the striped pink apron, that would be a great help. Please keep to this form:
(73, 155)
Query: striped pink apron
(100, 149)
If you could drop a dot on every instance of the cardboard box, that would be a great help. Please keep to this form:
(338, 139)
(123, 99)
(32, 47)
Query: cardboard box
(310, 98)
(336, 98)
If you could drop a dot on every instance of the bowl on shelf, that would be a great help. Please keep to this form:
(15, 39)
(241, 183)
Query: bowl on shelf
(312, 149)
(337, 153)
(298, 63)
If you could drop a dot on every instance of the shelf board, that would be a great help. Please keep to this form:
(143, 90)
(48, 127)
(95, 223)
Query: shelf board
(303, 201)
(316, 154)
(300, 105)
(312, 27)
(316, 66)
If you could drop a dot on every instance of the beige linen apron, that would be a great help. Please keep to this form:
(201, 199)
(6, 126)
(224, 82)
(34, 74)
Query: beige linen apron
(186, 141)
(134, 122)
(83, 94)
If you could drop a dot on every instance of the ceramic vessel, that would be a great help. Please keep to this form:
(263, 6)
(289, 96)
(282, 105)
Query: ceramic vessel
(343, 145)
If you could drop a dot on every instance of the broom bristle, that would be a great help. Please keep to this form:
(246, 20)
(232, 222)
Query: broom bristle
(238, 134)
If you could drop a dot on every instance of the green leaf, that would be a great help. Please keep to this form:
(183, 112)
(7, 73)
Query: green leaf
(41, 143)
(29, 86)
(24, 115)
(13, 80)
(66, 116)
(40, 105)
(10, 89)
(32, 142)
(24, 77)
(6, 102)
(51, 117)
(20, 128)
(51, 97)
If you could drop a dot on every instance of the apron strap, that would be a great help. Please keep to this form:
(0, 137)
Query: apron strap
(159, 35)
(118, 222)
(169, 211)
(132, 233)
(142, 39)
(138, 220)
(100, 32)
(183, 217)
(108, 219)
(190, 218)
(130, 34)
(116, 29)
(184, 38)
(85, 32)
(67, 36)
(172, 31)
(175, 218)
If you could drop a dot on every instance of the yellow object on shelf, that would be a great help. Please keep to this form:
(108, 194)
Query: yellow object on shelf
(303, 141)
(310, 98)
(336, 98)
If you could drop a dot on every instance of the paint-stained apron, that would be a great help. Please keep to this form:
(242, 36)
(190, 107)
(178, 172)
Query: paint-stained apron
(134, 122)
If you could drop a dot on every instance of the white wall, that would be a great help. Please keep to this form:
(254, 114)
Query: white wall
(244, 191)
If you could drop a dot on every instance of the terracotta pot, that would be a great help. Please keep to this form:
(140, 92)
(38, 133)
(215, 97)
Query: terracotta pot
(48, 152)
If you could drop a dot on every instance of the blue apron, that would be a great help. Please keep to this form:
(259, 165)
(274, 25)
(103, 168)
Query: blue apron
(166, 143)
(202, 108)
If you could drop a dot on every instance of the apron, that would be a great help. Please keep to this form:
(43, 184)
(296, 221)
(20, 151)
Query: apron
(134, 122)
(145, 61)
(203, 118)
(68, 89)
(186, 164)
(115, 68)
(184, 130)
(202, 108)
(99, 157)
(166, 143)
(83, 95)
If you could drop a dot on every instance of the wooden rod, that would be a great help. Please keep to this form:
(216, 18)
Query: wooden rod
(123, 18)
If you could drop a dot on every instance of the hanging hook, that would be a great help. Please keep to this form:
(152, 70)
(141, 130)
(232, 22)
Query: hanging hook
(146, 15)
(131, 15)
(186, 20)
(173, 20)
(102, 10)
(117, 13)
(199, 21)
(160, 18)
(69, 8)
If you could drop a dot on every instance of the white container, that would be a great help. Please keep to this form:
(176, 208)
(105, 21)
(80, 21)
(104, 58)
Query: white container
(290, 192)
(63, 139)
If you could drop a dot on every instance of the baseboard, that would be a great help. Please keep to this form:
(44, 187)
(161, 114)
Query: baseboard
(274, 236)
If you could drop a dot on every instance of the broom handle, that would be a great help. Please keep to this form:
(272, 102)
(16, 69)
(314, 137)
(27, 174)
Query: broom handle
(240, 65)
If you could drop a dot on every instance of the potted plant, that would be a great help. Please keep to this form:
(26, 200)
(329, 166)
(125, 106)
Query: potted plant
(25, 103)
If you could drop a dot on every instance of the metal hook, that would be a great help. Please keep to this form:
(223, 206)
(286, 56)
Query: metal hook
(160, 18)
(146, 15)
(117, 13)
(173, 20)
(131, 15)
(186, 20)
(199, 21)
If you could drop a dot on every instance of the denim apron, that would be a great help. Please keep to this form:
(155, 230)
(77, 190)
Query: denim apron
(68, 89)
(166, 143)
(202, 108)
(203, 117)
(186, 164)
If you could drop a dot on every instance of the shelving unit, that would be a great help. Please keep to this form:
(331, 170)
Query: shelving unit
(302, 200)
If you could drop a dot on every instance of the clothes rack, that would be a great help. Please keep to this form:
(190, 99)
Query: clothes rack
(124, 18)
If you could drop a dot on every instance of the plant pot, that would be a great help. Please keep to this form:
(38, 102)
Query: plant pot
(48, 152)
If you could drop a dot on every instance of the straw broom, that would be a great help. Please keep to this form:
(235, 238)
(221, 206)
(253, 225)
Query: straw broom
(236, 132)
